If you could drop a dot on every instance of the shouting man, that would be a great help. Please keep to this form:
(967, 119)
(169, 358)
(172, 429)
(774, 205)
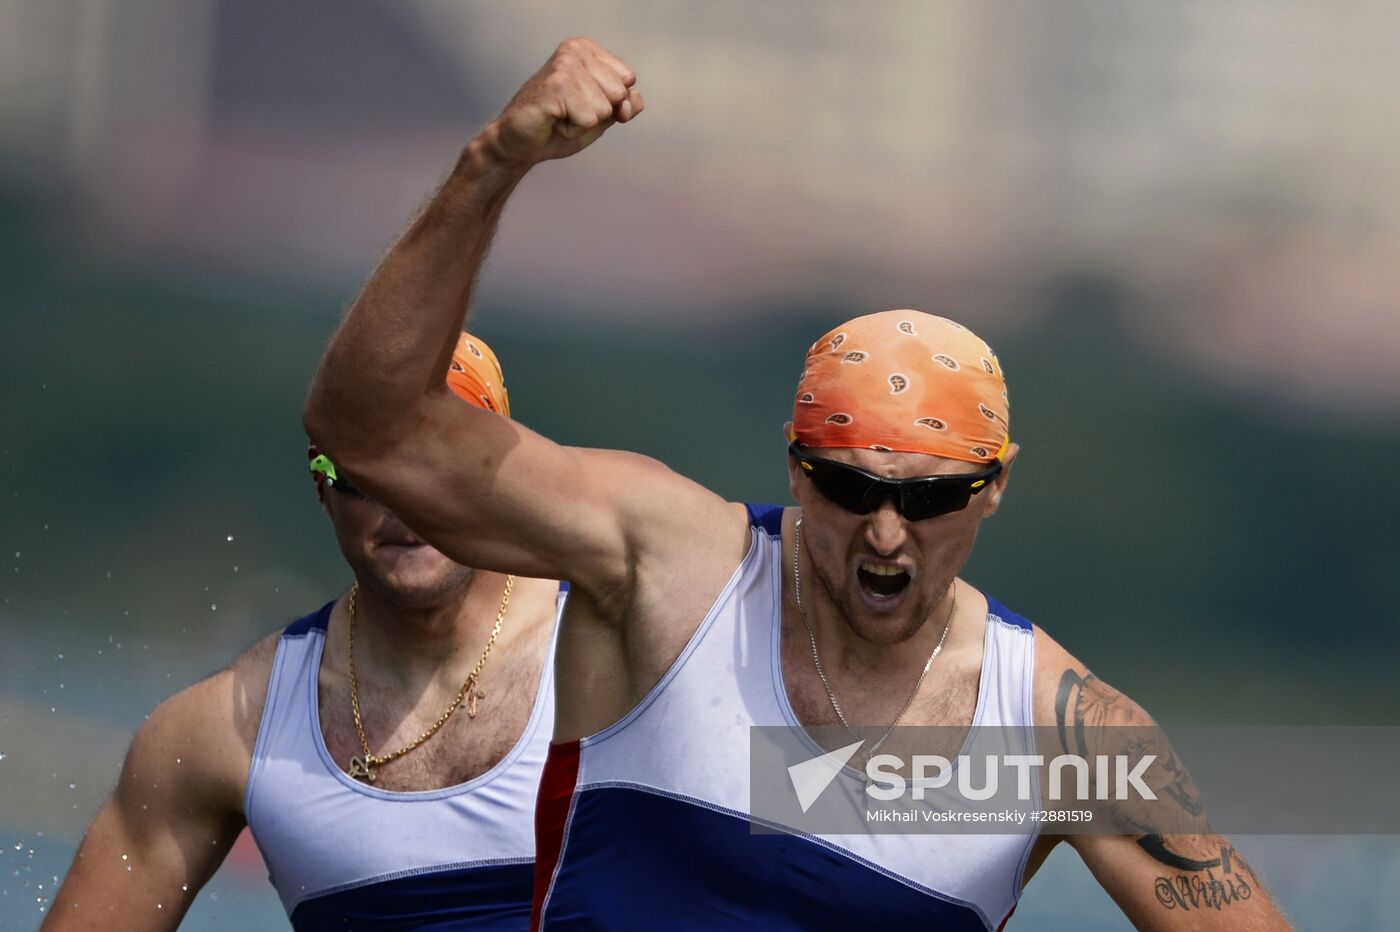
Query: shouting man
(692, 619)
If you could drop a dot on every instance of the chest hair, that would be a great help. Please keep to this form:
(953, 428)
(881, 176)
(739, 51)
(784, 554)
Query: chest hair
(463, 749)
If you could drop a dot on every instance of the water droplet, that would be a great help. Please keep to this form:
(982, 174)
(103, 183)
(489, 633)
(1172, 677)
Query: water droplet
(123, 857)
(184, 886)
(19, 846)
(235, 569)
(230, 537)
(158, 906)
(72, 786)
(17, 554)
(213, 607)
(3, 756)
(178, 761)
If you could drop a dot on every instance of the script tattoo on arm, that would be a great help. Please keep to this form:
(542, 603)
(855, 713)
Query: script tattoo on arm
(1196, 885)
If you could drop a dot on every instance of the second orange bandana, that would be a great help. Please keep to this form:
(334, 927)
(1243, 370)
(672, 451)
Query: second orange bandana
(475, 375)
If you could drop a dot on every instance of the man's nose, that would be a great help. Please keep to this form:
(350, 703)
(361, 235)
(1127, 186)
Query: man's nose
(885, 530)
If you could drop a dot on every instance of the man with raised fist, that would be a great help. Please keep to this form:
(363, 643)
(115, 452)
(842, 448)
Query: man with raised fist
(692, 620)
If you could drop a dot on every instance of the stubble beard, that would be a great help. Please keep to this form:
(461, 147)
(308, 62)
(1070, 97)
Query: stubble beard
(412, 595)
(896, 628)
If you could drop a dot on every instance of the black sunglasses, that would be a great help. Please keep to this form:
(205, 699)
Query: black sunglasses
(915, 499)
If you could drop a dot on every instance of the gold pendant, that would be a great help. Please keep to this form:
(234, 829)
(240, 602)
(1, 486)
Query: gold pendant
(359, 769)
(472, 698)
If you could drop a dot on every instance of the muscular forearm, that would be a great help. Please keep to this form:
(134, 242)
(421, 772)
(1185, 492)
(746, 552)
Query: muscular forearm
(391, 354)
(395, 344)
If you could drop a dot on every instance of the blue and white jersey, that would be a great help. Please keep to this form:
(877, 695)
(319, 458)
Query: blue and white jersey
(647, 825)
(345, 855)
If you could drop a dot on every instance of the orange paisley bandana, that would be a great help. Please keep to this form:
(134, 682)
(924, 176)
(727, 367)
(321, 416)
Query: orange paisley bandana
(903, 381)
(475, 374)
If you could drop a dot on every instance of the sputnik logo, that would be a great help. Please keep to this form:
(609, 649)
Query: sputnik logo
(811, 777)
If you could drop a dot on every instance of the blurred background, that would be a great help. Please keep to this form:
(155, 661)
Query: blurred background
(1178, 224)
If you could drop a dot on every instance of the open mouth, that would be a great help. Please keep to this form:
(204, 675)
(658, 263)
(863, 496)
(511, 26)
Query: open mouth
(882, 581)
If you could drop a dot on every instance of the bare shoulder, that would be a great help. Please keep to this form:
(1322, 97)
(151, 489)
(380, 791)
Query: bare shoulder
(1066, 691)
(199, 741)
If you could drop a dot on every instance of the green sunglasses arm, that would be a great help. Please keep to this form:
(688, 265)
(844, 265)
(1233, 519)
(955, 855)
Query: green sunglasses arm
(321, 465)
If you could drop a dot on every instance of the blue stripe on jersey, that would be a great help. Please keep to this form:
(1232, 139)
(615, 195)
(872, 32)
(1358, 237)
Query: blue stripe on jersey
(635, 860)
(317, 619)
(768, 517)
(1007, 615)
(494, 898)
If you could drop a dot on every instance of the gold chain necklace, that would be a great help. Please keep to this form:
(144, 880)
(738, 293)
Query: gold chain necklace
(362, 768)
(817, 660)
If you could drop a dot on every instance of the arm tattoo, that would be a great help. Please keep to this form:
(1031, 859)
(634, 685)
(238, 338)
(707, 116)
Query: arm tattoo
(1186, 892)
(1090, 712)
(1156, 846)
(1214, 875)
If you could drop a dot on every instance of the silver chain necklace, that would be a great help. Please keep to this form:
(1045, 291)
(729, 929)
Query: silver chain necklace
(817, 660)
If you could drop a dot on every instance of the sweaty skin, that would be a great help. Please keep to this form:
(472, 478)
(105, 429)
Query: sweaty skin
(647, 551)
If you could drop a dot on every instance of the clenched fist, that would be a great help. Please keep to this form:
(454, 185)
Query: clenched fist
(581, 91)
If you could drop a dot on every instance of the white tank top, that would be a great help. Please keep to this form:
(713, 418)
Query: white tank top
(652, 817)
(344, 854)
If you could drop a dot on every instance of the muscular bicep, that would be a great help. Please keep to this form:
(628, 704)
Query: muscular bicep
(491, 493)
(167, 827)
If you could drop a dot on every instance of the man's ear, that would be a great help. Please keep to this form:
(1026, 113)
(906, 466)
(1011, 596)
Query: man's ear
(997, 488)
(788, 437)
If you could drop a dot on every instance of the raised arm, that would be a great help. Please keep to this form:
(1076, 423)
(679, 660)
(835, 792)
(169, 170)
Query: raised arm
(482, 488)
(1191, 879)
